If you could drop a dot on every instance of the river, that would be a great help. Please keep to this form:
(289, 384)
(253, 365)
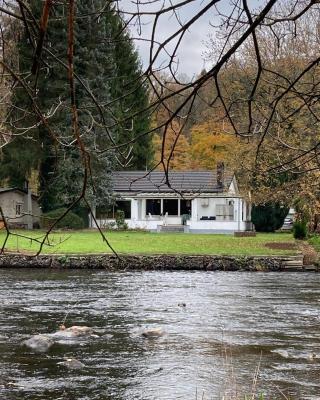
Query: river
(231, 324)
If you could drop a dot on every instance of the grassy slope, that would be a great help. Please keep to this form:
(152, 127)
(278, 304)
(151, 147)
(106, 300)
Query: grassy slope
(315, 242)
(152, 243)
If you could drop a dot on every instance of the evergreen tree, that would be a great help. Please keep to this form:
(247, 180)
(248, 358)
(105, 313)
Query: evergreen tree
(108, 64)
(37, 149)
(93, 64)
(128, 87)
(269, 217)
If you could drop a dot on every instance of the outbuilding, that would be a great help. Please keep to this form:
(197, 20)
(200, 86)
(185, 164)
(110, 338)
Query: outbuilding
(20, 208)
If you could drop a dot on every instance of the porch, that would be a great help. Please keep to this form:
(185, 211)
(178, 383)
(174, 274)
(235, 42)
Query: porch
(205, 214)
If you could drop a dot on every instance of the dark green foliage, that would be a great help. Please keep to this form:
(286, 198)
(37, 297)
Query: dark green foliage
(83, 213)
(108, 65)
(300, 230)
(120, 222)
(37, 149)
(128, 87)
(70, 221)
(268, 217)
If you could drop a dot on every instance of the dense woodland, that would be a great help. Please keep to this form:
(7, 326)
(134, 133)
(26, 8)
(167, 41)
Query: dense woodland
(111, 70)
(256, 109)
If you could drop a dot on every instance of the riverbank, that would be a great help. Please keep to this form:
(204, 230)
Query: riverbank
(157, 262)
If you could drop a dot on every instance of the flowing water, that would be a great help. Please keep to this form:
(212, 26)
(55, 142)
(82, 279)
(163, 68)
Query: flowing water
(231, 324)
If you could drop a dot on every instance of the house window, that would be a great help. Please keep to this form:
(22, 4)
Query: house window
(125, 206)
(109, 211)
(170, 206)
(225, 212)
(104, 212)
(153, 206)
(185, 207)
(19, 209)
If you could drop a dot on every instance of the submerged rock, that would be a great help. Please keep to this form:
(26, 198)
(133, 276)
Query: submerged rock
(78, 330)
(73, 332)
(153, 333)
(42, 343)
(39, 343)
(281, 352)
(72, 363)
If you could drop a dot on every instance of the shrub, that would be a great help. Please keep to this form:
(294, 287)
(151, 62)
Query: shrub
(109, 225)
(300, 230)
(70, 221)
(268, 217)
(121, 224)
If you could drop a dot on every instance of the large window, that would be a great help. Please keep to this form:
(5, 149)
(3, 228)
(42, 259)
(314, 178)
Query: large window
(109, 212)
(125, 206)
(104, 212)
(170, 206)
(153, 206)
(225, 212)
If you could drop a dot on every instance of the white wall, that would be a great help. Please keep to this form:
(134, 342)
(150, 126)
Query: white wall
(8, 202)
(211, 210)
(219, 226)
(139, 220)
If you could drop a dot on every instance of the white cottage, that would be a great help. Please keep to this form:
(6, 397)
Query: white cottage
(193, 201)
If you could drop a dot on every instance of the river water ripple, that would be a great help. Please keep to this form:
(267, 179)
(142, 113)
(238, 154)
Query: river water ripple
(232, 322)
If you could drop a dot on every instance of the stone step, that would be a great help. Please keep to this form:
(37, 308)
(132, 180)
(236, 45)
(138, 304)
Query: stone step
(172, 228)
(310, 268)
(298, 257)
(293, 262)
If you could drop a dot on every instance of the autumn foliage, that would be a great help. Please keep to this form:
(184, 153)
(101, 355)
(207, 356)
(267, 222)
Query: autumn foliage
(206, 145)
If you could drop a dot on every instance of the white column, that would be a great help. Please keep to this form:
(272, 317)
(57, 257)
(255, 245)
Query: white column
(91, 220)
(239, 213)
(194, 209)
(143, 208)
(249, 212)
(28, 210)
(134, 209)
(179, 207)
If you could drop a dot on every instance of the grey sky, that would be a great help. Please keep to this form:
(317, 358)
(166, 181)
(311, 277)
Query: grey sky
(191, 50)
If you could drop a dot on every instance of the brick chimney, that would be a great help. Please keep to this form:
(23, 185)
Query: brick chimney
(220, 175)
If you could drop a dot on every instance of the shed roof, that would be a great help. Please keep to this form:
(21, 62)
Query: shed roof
(181, 181)
(15, 189)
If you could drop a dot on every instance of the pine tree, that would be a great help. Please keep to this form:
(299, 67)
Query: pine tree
(93, 64)
(131, 92)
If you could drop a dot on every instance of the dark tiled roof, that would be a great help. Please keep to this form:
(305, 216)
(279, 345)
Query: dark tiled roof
(181, 181)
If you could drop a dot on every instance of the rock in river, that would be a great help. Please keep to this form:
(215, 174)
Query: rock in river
(39, 343)
(72, 363)
(73, 332)
(153, 333)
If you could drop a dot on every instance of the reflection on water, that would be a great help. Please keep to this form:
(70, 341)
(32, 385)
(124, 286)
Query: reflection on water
(237, 317)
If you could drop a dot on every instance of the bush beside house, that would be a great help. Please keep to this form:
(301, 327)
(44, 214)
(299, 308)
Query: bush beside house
(69, 221)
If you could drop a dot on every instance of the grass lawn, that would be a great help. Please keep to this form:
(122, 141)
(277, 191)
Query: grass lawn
(155, 243)
(315, 242)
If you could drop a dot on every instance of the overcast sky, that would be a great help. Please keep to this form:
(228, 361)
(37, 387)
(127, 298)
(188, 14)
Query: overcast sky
(191, 50)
